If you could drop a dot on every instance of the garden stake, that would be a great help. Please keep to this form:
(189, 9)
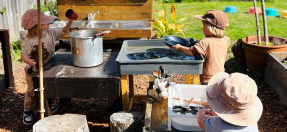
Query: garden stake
(257, 23)
(40, 62)
(264, 23)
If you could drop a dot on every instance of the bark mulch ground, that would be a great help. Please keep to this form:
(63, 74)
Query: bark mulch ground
(11, 105)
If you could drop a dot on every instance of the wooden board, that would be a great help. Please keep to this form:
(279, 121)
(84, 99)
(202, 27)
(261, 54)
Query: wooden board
(101, 2)
(124, 33)
(108, 9)
(107, 16)
(105, 8)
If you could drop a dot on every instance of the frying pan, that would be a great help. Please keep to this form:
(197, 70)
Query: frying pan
(171, 40)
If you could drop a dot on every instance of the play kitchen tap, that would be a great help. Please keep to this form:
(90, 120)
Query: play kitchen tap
(91, 17)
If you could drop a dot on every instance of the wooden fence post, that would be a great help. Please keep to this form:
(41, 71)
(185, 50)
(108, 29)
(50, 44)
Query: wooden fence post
(5, 44)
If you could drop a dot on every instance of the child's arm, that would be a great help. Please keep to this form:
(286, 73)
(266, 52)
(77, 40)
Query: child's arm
(65, 29)
(183, 49)
(201, 116)
(27, 60)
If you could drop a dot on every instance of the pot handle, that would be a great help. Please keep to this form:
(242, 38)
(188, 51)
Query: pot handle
(99, 34)
(73, 29)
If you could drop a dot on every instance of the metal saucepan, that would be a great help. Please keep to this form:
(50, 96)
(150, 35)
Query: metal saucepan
(171, 40)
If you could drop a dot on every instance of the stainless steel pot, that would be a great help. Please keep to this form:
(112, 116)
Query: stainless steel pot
(87, 50)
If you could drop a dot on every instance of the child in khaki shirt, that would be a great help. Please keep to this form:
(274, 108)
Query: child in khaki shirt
(29, 22)
(213, 47)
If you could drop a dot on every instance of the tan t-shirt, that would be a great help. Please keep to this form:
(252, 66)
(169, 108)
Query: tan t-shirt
(51, 35)
(214, 51)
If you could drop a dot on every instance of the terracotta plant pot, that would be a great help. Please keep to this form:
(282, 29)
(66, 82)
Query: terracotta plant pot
(256, 55)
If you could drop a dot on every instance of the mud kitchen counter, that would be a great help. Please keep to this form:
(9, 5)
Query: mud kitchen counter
(129, 66)
(63, 80)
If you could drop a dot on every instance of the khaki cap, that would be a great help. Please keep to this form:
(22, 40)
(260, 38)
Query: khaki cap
(215, 17)
(234, 98)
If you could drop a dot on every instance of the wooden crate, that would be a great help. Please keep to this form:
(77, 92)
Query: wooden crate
(110, 10)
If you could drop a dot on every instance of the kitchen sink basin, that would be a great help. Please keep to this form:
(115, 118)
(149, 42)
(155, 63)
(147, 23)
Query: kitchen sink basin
(137, 24)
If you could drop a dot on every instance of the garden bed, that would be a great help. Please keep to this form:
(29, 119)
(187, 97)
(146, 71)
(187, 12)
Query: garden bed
(276, 73)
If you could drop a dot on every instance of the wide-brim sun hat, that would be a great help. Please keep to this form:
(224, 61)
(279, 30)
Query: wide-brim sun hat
(30, 18)
(234, 98)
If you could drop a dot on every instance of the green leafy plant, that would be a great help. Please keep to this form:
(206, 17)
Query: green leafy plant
(2, 12)
(53, 8)
(163, 26)
(43, 8)
(16, 45)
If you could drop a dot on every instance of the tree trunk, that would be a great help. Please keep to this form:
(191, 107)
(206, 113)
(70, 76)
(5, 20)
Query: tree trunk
(127, 121)
(264, 23)
(257, 22)
(60, 123)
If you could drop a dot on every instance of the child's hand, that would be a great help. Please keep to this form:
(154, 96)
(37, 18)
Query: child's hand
(176, 47)
(32, 62)
(71, 20)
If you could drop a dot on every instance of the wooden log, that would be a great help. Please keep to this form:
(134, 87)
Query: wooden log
(60, 123)
(127, 121)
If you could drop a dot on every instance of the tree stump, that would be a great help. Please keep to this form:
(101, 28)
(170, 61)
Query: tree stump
(127, 121)
(60, 123)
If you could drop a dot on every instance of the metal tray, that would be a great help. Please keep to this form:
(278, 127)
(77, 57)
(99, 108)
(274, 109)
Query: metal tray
(128, 66)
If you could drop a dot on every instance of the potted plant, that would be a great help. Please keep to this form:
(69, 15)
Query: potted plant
(256, 52)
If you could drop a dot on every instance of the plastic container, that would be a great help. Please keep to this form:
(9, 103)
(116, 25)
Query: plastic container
(187, 91)
(252, 11)
(271, 12)
(230, 9)
(284, 14)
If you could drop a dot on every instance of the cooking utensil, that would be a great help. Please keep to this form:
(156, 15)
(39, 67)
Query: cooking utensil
(71, 14)
(159, 73)
(154, 73)
(183, 103)
(87, 51)
(171, 40)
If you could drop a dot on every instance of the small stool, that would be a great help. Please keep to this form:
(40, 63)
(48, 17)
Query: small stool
(231, 9)
(284, 14)
(271, 12)
(252, 11)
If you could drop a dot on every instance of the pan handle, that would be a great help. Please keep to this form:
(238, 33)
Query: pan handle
(192, 42)
(74, 28)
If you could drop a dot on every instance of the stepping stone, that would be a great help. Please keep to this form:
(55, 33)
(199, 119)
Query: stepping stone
(230, 9)
(284, 14)
(252, 11)
(271, 12)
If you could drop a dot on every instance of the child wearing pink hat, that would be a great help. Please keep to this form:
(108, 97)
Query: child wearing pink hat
(234, 100)
(213, 47)
(29, 22)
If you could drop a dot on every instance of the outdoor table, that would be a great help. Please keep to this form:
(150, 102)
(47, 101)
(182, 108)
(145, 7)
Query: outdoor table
(130, 67)
(64, 80)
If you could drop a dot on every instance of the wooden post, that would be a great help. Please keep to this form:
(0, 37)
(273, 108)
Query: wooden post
(264, 23)
(127, 121)
(125, 97)
(6, 52)
(60, 123)
(257, 22)
(42, 110)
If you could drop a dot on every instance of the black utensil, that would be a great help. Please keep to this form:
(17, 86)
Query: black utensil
(171, 40)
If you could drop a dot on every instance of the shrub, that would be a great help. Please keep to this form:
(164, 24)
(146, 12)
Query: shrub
(164, 27)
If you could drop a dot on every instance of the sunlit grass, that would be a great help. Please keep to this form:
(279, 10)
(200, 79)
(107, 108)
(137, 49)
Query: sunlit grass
(241, 23)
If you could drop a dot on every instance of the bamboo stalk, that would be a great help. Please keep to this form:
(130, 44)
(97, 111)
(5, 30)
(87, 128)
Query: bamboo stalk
(40, 61)
(257, 23)
(264, 23)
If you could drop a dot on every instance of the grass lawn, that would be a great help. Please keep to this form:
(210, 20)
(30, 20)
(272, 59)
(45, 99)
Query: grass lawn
(241, 23)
